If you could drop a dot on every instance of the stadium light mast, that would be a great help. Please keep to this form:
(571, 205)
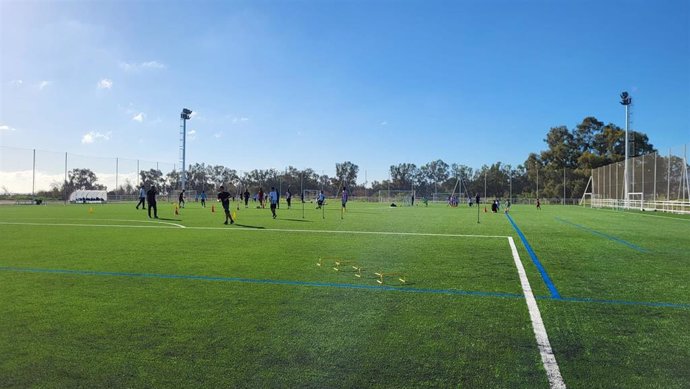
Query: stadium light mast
(184, 116)
(626, 100)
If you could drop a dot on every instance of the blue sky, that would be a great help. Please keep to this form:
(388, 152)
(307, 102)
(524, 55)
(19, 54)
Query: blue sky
(312, 83)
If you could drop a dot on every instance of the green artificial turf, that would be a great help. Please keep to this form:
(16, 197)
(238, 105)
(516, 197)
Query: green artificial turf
(101, 295)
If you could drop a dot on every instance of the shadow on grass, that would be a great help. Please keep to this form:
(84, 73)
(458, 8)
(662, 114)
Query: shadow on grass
(296, 220)
(248, 226)
(170, 220)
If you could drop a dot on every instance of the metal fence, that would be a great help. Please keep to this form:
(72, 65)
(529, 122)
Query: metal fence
(658, 181)
(31, 171)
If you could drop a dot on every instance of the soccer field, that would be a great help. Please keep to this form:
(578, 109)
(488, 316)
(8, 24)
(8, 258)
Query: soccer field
(103, 296)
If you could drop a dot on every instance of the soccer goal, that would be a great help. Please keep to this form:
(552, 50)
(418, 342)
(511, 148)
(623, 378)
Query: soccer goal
(399, 197)
(635, 201)
(311, 195)
(189, 195)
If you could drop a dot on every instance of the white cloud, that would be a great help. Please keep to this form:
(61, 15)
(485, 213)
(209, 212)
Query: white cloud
(105, 83)
(94, 136)
(152, 65)
(5, 127)
(191, 134)
(239, 120)
(139, 117)
(139, 66)
(193, 115)
(218, 135)
(384, 123)
(16, 82)
(44, 84)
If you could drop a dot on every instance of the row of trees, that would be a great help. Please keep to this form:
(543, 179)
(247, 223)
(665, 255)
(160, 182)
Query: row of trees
(564, 167)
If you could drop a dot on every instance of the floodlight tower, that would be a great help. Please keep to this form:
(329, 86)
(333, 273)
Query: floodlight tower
(184, 116)
(626, 100)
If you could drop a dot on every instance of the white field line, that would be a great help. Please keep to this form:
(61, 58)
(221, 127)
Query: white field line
(349, 232)
(643, 214)
(547, 356)
(136, 221)
(173, 226)
(232, 229)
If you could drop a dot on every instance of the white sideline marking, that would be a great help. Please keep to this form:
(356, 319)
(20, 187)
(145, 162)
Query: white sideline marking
(644, 214)
(349, 232)
(547, 356)
(175, 226)
(252, 229)
(110, 220)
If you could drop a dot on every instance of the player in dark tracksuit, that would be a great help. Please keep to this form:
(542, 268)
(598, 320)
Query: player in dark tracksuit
(151, 199)
(224, 198)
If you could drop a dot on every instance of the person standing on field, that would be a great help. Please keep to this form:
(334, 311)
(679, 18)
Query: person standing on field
(320, 200)
(261, 197)
(181, 199)
(246, 198)
(345, 197)
(203, 198)
(288, 197)
(224, 198)
(538, 204)
(273, 198)
(142, 198)
(151, 198)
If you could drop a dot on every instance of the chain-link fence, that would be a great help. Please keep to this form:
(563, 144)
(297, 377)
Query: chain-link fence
(657, 181)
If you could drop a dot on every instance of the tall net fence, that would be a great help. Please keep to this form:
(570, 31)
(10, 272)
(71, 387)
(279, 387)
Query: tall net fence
(657, 181)
(28, 173)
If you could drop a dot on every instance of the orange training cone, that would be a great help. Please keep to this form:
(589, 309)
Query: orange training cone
(213, 208)
(485, 211)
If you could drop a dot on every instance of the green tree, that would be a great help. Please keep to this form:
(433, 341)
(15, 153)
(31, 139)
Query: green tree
(346, 173)
(436, 171)
(403, 175)
(81, 178)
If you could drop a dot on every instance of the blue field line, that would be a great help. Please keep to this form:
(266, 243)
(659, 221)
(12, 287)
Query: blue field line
(625, 302)
(535, 260)
(342, 286)
(269, 282)
(609, 237)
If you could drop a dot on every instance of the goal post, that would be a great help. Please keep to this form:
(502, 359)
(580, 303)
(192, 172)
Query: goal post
(636, 200)
(399, 197)
(311, 195)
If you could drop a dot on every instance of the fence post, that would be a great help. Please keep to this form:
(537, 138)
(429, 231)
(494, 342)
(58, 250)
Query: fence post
(64, 184)
(563, 185)
(117, 171)
(668, 177)
(655, 179)
(33, 179)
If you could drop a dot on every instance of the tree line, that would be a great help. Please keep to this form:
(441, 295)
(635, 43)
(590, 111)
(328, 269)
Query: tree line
(570, 155)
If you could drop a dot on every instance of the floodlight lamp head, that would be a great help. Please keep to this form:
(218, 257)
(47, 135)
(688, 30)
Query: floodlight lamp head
(625, 98)
(186, 114)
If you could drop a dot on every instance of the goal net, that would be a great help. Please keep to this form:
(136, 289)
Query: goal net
(190, 196)
(311, 195)
(636, 201)
(399, 197)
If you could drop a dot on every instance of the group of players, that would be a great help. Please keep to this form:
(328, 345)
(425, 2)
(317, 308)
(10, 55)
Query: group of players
(224, 198)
